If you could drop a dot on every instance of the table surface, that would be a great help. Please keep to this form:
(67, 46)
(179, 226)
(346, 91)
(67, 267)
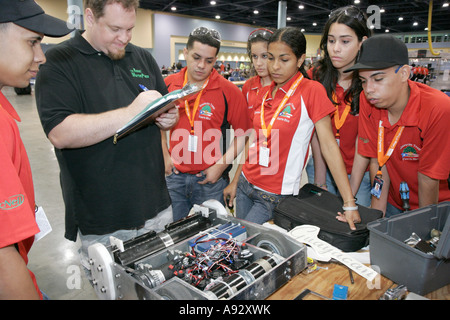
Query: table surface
(322, 281)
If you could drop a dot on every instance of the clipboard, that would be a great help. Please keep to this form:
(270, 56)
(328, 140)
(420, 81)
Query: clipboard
(155, 108)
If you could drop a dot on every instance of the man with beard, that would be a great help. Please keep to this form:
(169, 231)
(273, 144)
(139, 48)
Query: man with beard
(89, 89)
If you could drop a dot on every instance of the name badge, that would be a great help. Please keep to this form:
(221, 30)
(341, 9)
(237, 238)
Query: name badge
(264, 154)
(377, 186)
(192, 144)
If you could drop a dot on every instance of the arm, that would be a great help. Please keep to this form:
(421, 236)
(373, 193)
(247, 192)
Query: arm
(428, 190)
(15, 279)
(333, 157)
(230, 190)
(359, 167)
(214, 172)
(168, 163)
(320, 167)
(82, 130)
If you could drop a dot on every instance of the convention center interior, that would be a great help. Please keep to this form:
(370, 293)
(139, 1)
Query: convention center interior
(301, 230)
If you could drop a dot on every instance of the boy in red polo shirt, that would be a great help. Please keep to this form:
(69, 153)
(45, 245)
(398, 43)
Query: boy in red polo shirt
(197, 161)
(403, 128)
(22, 27)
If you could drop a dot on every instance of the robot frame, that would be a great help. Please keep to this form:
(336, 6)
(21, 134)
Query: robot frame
(208, 255)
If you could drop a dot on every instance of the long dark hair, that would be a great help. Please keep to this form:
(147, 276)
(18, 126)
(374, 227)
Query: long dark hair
(324, 71)
(295, 39)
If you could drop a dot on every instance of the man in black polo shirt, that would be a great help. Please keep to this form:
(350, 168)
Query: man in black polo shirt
(88, 89)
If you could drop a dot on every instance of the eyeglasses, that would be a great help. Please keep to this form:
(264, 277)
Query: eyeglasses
(203, 31)
(261, 32)
(349, 11)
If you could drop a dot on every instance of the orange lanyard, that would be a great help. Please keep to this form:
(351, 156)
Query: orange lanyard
(267, 130)
(339, 121)
(190, 116)
(383, 157)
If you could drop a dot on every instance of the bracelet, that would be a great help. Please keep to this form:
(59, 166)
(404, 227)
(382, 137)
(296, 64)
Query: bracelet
(320, 185)
(350, 208)
(354, 199)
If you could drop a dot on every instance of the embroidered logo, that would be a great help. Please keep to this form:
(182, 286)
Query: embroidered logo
(206, 112)
(410, 152)
(12, 202)
(286, 114)
(136, 73)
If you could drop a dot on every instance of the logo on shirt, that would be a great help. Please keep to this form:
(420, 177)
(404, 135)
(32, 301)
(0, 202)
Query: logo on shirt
(410, 152)
(136, 73)
(286, 114)
(206, 112)
(12, 202)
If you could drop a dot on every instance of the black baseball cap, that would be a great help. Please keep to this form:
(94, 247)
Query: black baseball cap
(381, 52)
(28, 14)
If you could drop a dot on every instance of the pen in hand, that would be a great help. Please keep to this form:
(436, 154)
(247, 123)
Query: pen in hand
(144, 88)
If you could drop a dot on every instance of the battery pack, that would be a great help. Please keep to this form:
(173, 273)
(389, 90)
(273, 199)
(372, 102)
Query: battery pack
(223, 232)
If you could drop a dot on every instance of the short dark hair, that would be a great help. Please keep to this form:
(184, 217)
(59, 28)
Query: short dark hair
(204, 39)
(98, 6)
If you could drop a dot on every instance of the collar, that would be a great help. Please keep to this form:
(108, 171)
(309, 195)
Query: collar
(82, 45)
(213, 79)
(7, 106)
(286, 86)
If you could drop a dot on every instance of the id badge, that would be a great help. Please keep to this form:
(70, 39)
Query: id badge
(43, 224)
(264, 154)
(192, 144)
(377, 186)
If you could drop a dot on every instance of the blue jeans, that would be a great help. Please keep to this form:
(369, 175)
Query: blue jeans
(253, 204)
(185, 191)
(363, 195)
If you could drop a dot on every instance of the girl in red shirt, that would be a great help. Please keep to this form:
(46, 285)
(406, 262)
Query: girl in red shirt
(257, 51)
(289, 112)
(343, 35)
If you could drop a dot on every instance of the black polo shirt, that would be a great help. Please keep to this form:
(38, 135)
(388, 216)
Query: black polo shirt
(106, 186)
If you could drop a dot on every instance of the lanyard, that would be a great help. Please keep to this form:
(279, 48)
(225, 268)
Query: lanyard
(267, 130)
(339, 121)
(383, 158)
(196, 103)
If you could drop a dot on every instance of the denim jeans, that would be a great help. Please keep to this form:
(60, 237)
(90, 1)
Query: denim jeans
(253, 204)
(363, 195)
(185, 191)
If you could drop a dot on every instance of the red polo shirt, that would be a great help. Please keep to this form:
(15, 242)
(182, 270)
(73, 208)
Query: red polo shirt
(17, 220)
(220, 97)
(290, 137)
(251, 89)
(422, 146)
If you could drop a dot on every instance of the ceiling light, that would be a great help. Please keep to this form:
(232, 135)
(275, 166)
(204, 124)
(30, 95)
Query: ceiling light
(212, 3)
(303, 30)
(314, 24)
(218, 17)
(173, 8)
(256, 12)
(400, 18)
(288, 18)
(357, 1)
(382, 10)
(445, 5)
(415, 24)
(426, 29)
(301, 7)
(387, 30)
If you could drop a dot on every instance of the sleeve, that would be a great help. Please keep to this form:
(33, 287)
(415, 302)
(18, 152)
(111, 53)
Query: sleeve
(237, 110)
(318, 104)
(433, 162)
(56, 97)
(17, 220)
(367, 132)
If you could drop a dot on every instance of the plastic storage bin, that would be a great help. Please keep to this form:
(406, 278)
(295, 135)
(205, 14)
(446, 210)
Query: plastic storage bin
(420, 272)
